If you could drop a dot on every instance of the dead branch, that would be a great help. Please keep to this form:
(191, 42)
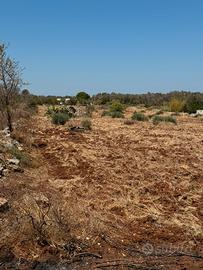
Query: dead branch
(127, 263)
(88, 254)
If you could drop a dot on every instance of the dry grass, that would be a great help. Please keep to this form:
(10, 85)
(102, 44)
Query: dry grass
(133, 184)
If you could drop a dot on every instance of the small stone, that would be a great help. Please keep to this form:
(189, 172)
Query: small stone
(6, 131)
(1, 168)
(16, 168)
(4, 206)
(14, 161)
(9, 145)
(5, 172)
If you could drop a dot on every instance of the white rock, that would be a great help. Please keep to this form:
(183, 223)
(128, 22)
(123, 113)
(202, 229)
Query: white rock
(3, 205)
(14, 161)
(9, 145)
(6, 131)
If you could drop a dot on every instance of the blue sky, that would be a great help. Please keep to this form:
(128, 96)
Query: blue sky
(106, 45)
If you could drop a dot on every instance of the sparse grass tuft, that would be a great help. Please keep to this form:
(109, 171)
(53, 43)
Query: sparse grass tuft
(86, 124)
(139, 117)
(89, 110)
(113, 114)
(116, 114)
(25, 159)
(105, 113)
(157, 119)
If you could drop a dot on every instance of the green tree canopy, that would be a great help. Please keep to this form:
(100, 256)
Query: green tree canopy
(82, 96)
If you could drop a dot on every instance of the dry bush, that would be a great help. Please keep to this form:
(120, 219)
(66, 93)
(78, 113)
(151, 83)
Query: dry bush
(176, 105)
(139, 117)
(25, 159)
(86, 124)
(22, 112)
(43, 219)
(22, 136)
(89, 110)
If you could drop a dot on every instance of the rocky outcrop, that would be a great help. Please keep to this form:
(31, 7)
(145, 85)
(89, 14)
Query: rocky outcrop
(8, 162)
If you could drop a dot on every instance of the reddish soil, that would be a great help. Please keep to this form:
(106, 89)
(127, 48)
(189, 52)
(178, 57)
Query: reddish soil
(133, 192)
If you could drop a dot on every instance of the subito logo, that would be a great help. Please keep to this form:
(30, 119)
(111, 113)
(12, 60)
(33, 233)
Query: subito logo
(147, 249)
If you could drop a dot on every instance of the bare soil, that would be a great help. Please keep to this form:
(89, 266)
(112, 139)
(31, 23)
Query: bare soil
(133, 194)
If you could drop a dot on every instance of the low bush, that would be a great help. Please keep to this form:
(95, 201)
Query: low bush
(139, 117)
(113, 114)
(193, 104)
(86, 124)
(105, 113)
(176, 105)
(59, 118)
(22, 136)
(49, 111)
(60, 109)
(116, 114)
(116, 107)
(157, 119)
(115, 111)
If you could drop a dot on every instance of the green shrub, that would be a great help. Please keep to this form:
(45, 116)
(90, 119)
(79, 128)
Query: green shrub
(193, 104)
(86, 124)
(113, 114)
(116, 107)
(158, 118)
(59, 118)
(116, 114)
(60, 109)
(105, 113)
(49, 111)
(115, 111)
(139, 117)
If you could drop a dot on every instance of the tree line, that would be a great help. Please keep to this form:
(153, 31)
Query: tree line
(182, 100)
(12, 98)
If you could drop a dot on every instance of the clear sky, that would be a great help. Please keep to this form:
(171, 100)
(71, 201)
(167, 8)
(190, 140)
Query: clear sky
(106, 45)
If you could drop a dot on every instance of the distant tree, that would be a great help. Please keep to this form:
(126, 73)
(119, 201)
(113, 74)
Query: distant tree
(25, 92)
(82, 97)
(10, 82)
